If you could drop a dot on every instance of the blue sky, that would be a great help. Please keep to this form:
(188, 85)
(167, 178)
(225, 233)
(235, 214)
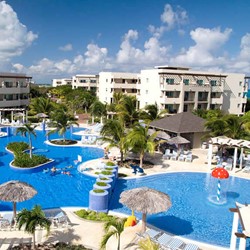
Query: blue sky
(49, 39)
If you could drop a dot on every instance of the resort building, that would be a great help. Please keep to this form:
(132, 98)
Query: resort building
(181, 89)
(86, 82)
(178, 89)
(116, 82)
(61, 82)
(14, 93)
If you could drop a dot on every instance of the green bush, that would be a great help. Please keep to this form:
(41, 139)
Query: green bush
(23, 160)
(110, 163)
(106, 172)
(109, 169)
(101, 184)
(95, 216)
(98, 191)
(104, 178)
(17, 147)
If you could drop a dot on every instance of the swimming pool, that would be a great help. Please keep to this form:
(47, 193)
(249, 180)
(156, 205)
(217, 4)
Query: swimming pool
(192, 214)
(53, 190)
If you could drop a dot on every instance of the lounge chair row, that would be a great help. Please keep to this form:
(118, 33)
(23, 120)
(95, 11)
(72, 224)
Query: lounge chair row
(181, 157)
(167, 241)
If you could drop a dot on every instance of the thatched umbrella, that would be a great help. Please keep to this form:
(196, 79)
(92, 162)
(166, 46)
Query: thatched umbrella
(146, 201)
(16, 191)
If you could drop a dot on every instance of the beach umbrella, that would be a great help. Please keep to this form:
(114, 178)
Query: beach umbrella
(219, 173)
(41, 115)
(16, 191)
(163, 135)
(146, 201)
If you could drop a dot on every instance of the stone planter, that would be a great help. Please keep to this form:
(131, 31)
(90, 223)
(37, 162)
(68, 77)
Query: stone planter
(108, 188)
(98, 201)
(113, 170)
(108, 181)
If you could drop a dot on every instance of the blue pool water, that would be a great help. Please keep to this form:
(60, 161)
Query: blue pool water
(53, 191)
(192, 214)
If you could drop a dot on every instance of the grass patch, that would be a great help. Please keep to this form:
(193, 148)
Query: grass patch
(63, 142)
(94, 216)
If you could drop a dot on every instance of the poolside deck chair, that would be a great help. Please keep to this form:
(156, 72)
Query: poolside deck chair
(60, 220)
(5, 224)
(167, 155)
(190, 246)
(174, 156)
(164, 239)
(181, 157)
(189, 157)
(152, 233)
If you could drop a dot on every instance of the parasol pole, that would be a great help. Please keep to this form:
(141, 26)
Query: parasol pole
(218, 190)
(144, 222)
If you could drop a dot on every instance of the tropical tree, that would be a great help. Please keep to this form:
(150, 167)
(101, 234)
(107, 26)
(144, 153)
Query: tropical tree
(114, 227)
(41, 105)
(152, 113)
(97, 109)
(113, 132)
(27, 130)
(126, 109)
(140, 141)
(31, 219)
(148, 244)
(62, 121)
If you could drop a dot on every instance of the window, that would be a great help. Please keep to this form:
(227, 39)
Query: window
(238, 105)
(186, 81)
(213, 82)
(123, 80)
(106, 80)
(92, 81)
(169, 80)
(147, 80)
(240, 83)
(83, 81)
(199, 82)
(169, 93)
(146, 92)
(239, 94)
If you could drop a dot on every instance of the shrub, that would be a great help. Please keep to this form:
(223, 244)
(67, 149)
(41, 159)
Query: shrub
(17, 147)
(106, 172)
(95, 216)
(110, 163)
(109, 169)
(101, 184)
(98, 191)
(23, 160)
(104, 178)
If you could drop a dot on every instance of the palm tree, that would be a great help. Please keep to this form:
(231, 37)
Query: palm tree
(152, 113)
(148, 244)
(113, 132)
(113, 227)
(29, 130)
(126, 109)
(41, 105)
(62, 121)
(140, 142)
(31, 219)
(97, 109)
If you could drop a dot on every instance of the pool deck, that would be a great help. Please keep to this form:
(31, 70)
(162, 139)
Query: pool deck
(90, 233)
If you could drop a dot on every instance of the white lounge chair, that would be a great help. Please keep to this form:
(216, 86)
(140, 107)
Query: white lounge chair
(181, 157)
(174, 156)
(190, 246)
(167, 154)
(189, 157)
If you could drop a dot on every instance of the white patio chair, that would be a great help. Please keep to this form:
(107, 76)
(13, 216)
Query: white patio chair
(190, 246)
(189, 157)
(167, 154)
(181, 157)
(174, 156)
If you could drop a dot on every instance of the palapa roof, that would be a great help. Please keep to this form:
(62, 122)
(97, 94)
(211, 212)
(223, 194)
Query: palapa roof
(16, 191)
(145, 200)
(185, 122)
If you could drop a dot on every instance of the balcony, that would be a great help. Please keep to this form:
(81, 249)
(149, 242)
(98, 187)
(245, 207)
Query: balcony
(169, 100)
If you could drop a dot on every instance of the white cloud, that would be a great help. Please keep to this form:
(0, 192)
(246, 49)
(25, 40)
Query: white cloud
(95, 55)
(170, 19)
(203, 53)
(153, 52)
(15, 37)
(245, 47)
(67, 47)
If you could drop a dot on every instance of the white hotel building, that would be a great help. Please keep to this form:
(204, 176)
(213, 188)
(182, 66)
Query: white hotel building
(178, 89)
(14, 93)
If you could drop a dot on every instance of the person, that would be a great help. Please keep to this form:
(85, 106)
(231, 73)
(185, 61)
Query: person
(66, 172)
(53, 169)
